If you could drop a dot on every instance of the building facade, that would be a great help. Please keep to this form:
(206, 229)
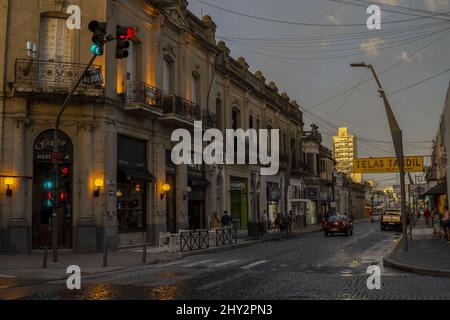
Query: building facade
(345, 150)
(118, 183)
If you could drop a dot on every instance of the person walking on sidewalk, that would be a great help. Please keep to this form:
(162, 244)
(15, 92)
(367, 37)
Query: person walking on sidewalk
(226, 220)
(427, 214)
(445, 222)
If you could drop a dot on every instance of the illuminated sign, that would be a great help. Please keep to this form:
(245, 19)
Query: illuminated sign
(386, 165)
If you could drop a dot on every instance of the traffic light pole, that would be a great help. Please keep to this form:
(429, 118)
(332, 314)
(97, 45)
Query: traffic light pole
(397, 138)
(55, 161)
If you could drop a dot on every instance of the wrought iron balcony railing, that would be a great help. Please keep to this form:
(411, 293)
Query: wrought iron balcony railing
(188, 110)
(209, 119)
(140, 92)
(50, 76)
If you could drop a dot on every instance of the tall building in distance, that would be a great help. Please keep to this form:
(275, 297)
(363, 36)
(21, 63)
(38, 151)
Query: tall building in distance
(345, 150)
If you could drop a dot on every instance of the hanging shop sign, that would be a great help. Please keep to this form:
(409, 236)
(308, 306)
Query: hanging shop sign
(43, 148)
(387, 165)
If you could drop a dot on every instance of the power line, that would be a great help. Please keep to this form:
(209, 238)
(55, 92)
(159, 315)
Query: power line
(298, 23)
(408, 56)
(420, 82)
(434, 15)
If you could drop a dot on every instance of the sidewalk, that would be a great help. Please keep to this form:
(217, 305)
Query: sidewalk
(30, 266)
(426, 255)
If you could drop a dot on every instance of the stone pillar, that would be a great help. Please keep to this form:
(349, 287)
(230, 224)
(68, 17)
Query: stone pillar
(19, 229)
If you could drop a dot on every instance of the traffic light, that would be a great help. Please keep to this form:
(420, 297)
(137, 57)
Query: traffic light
(99, 33)
(49, 200)
(123, 34)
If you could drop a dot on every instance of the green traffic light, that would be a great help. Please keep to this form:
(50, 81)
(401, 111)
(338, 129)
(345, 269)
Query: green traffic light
(48, 185)
(96, 50)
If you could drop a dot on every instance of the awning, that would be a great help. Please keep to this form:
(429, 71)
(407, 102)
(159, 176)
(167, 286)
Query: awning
(439, 189)
(198, 182)
(138, 174)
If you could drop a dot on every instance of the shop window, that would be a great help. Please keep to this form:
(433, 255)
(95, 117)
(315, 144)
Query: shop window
(131, 203)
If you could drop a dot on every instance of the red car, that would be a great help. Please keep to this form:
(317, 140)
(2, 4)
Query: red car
(338, 224)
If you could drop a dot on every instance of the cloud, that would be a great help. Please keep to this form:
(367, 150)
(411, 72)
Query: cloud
(371, 46)
(418, 57)
(437, 5)
(333, 19)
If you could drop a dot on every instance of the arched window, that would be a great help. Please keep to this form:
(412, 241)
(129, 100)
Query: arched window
(219, 113)
(235, 118)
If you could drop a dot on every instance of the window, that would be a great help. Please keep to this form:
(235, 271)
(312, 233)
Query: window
(235, 118)
(195, 88)
(133, 62)
(56, 41)
(322, 166)
(168, 86)
(132, 180)
(219, 113)
(250, 122)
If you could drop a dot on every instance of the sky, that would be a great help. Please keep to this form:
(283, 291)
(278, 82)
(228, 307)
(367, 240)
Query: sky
(312, 63)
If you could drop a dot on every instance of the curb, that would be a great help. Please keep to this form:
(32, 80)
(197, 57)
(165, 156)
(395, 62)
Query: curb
(390, 261)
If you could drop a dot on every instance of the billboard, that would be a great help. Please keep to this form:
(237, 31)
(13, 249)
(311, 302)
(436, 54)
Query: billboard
(386, 165)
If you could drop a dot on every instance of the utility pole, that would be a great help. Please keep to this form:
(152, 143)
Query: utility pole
(397, 138)
(55, 160)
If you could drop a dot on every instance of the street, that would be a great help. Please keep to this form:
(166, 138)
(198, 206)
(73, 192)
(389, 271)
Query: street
(307, 267)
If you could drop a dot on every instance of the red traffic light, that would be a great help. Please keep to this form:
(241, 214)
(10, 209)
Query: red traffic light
(126, 33)
(64, 171)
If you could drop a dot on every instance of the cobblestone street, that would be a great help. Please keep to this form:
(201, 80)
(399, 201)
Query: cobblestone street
(308, 267)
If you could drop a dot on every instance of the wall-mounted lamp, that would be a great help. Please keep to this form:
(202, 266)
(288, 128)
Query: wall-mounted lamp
(9, 182)
(98, 184)
(165, 190)
(188, 191)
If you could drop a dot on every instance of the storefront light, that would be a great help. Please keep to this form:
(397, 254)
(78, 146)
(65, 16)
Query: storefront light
(9, 181)
(165, 189)
(98, 184)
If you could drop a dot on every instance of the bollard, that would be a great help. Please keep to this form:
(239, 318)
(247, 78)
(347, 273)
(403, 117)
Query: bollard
(105, 255)
(44, 258)
(144, 252)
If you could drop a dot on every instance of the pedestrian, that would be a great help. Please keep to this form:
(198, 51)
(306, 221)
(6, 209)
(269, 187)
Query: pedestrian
(279, 222)
(215, 222)
(265, 221)
(226, 219)
(427, 214)
(445, 222)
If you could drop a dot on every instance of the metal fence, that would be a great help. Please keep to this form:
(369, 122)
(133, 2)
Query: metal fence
(191, 240)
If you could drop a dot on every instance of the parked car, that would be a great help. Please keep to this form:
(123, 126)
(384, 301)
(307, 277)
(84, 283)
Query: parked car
(391, 219)
(338, 224)
(375, 216)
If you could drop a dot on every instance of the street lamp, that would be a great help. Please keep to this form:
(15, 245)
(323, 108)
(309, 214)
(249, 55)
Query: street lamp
(397, 138)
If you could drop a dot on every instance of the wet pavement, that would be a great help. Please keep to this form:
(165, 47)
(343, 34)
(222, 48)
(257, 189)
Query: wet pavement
(310, 266)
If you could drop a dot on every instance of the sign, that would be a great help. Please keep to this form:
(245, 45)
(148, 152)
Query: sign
(93, 77)
(386, 165)
(419, 188)
(43, 148)
(312, 194)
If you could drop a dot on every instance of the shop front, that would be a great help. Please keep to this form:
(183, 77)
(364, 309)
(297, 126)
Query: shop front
(197, 185)
(239, 202)
(313, 196)
(133, 179)
(44, 196)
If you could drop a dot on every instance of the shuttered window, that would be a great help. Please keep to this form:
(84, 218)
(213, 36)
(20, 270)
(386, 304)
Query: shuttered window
(56, 40)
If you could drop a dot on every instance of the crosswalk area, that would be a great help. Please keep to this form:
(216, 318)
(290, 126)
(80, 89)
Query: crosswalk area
(245, 264)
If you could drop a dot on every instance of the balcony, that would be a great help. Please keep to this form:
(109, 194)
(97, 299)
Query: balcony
(49, 77)
(143, 98)
(179, 111)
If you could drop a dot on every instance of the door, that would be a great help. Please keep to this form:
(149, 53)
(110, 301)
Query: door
(44, 199)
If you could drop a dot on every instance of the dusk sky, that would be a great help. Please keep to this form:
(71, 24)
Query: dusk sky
(312, 63)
